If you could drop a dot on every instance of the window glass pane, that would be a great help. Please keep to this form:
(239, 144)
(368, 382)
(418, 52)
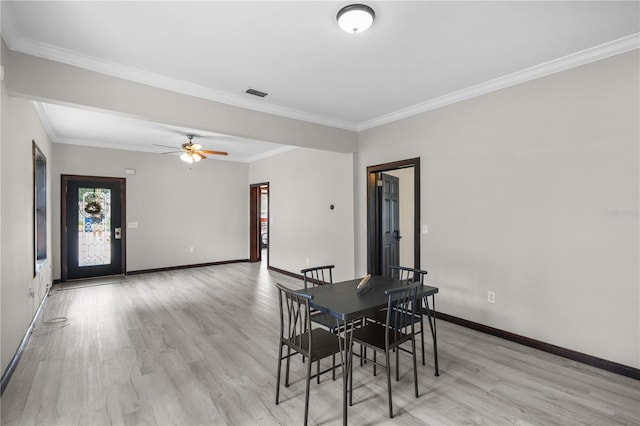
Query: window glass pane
(94, 226)
(40, 207)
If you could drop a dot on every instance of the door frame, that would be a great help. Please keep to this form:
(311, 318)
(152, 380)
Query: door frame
(255, 248)
(374, 238)
(64, 179)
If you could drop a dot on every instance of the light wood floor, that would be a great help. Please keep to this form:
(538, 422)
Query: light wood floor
(199, 346)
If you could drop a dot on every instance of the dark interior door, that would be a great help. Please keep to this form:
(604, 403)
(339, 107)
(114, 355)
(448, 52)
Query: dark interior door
(390, 222)
(258, 221)
(93, 230)
(254, 223)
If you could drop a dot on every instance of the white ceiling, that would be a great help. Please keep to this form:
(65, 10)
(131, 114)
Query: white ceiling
(93, 128)
(418, 55)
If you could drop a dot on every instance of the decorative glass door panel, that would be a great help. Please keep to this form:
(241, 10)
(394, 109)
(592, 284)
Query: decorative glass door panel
(94, 226)
(93, 232)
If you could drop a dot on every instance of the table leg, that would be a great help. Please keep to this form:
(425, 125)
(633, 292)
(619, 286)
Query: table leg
(346, 346)
(434, 335)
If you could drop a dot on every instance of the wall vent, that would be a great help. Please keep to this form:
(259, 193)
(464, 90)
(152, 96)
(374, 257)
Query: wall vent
(256, 93)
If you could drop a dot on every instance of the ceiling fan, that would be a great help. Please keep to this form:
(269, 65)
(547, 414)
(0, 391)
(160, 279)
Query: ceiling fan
(193, 152)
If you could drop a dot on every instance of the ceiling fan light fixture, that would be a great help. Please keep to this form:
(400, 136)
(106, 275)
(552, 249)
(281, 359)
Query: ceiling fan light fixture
(193, 152)
(355, 18)
(186, 157)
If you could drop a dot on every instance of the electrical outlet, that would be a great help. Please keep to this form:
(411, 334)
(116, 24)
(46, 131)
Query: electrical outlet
(192, 249)
(491, 296)
(307, 261)
(31, 292)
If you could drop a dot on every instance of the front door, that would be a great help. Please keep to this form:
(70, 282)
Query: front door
(92, 232)
(390, 222)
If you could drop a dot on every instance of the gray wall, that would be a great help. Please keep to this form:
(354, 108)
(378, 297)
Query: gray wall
(176, 206)
(20, 125)
(531, 192)
(303, 183)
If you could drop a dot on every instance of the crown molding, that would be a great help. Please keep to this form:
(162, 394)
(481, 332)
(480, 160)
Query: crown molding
(616, 47)
(41, 110)
(54, 53)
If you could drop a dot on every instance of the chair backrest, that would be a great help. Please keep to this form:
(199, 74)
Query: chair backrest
(408, 275)
(318, 275)
(294, 318)
(400, 307)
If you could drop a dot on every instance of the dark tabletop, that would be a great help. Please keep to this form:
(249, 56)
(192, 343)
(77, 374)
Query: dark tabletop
(341, 300)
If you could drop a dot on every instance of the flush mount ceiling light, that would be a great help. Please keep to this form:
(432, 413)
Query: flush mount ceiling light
(355, 18)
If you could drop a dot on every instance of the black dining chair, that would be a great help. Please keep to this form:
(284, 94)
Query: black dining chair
(411, 275)
(317, 276)
(397, 329)
(299, 337)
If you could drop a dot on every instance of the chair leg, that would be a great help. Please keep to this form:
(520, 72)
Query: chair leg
(333, 369)
(422, 326)
(387, 356)
(415, 370)
(318, 372)
(435, 336)
(351, 376)
(374, 363)
(397, 364)
(286, 374)
(432, 325)
(279, 372)
(363, 349)
(306, 397)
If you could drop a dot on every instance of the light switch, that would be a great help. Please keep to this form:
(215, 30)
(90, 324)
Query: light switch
(425, 229)
(132, 225)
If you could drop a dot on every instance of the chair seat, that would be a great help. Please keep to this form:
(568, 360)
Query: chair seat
(323, 342)
(373, 334)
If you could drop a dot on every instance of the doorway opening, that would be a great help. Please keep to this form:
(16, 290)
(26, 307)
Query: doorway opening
(393, 215)
(92, 236)
(259, 222)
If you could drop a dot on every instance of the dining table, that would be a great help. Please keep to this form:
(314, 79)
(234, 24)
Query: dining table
(348, 304)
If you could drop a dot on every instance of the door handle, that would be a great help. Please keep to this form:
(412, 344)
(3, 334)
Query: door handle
(398, 237)
(118, 233)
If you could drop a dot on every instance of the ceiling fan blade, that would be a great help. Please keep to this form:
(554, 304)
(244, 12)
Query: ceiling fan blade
(200, 154)
(206, 151)
(166, 146)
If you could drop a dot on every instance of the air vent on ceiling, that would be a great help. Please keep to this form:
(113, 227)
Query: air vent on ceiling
(256, 93)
